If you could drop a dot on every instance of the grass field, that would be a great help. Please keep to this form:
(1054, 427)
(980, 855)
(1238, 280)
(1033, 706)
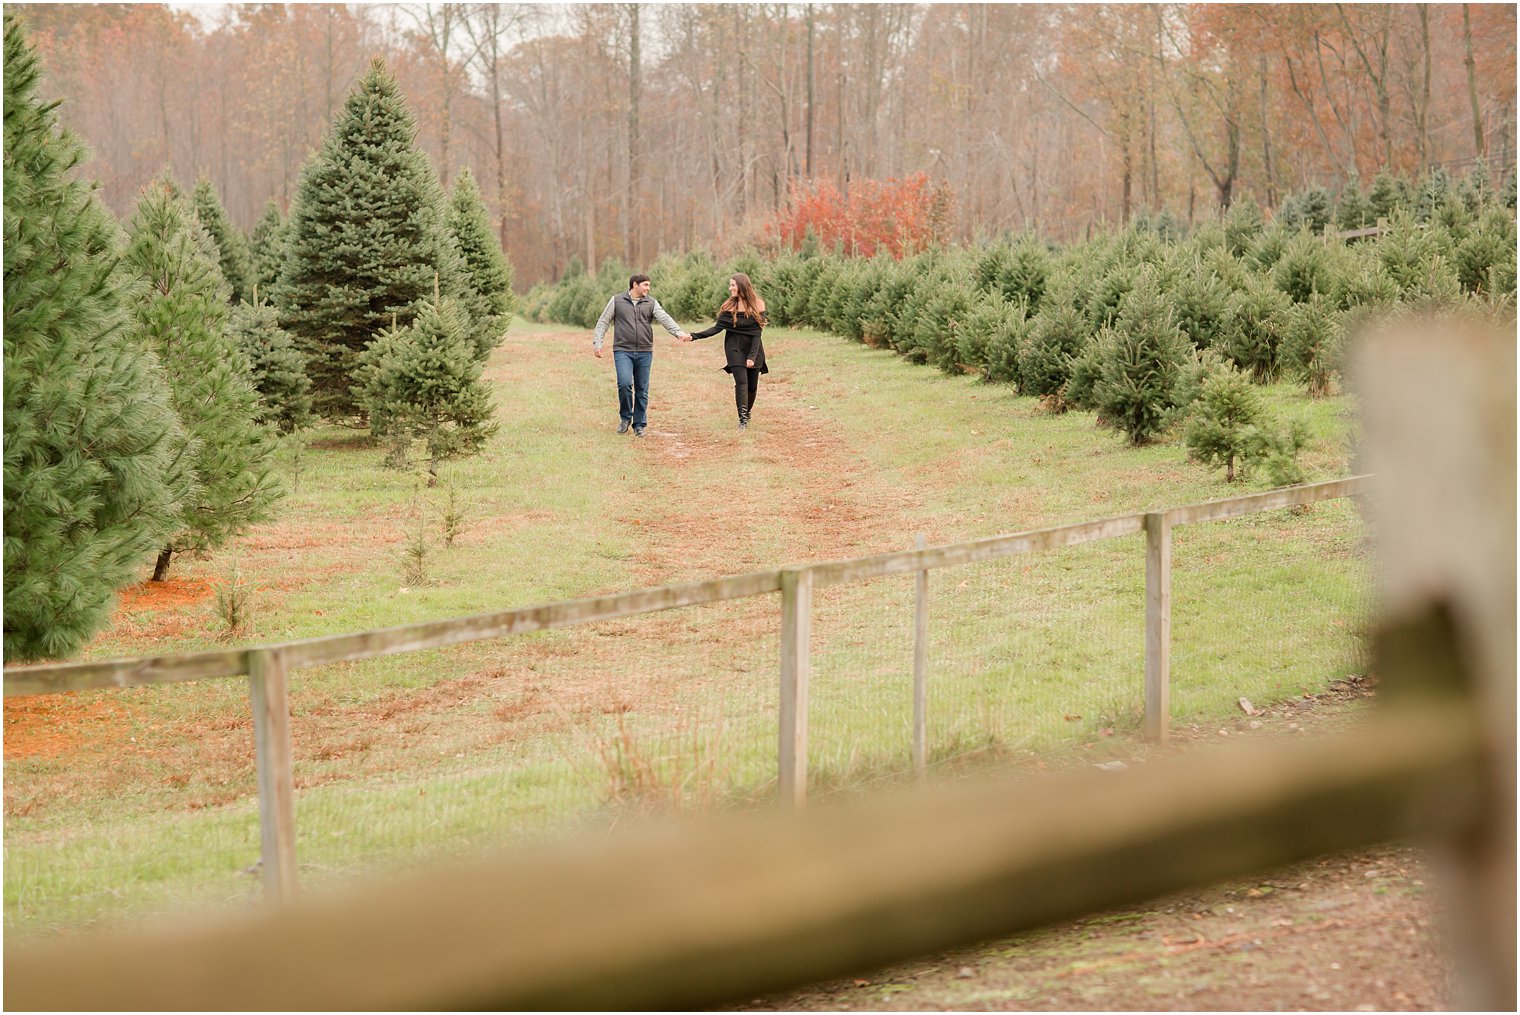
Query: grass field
(120, 803)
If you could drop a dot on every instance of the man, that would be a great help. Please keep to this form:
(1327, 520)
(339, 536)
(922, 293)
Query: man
(632, 315)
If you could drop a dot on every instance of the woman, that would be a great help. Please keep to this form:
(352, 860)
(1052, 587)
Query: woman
(741, 318)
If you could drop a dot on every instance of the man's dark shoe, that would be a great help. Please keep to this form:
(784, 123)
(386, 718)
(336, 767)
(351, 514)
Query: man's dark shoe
(638, 431)
(622, 426)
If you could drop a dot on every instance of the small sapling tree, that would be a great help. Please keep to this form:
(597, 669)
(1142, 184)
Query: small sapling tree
(422, 383)
(1142, 364)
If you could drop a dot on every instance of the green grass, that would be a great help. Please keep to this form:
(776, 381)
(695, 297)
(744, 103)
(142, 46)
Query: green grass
(416, 756)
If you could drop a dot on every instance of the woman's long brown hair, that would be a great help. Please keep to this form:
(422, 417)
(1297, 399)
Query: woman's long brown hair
(746, 302)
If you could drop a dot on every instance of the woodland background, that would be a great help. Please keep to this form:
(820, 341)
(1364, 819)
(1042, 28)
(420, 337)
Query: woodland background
(633, 130)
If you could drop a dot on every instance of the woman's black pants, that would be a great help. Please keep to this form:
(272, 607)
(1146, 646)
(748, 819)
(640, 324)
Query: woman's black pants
(746, 383)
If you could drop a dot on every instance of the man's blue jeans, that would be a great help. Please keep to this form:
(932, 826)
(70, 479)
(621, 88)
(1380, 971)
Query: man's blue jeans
(633, 385)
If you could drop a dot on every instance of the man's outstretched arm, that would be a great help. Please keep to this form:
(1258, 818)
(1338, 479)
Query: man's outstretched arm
(601, 328)
(669, 323)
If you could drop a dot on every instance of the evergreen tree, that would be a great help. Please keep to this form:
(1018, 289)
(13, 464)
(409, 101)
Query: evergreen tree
(1485, 260)
(1310, 207)
(1355, 210)
(1142, 367)
(1306, 267)
(182, 316)
(1254, 338)
(1312, 340)
(267, 250)
(1242, 223)
(1224, 427)
(423, 383)
(1231, 426)
(1388, 194)
(1201, 303)
(277, 366)
(230, 247)
(1056, 335)
(366, 239)
(88, 427)
(489, 295)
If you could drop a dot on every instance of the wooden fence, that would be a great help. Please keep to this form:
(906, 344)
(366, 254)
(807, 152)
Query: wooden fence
(268, 667)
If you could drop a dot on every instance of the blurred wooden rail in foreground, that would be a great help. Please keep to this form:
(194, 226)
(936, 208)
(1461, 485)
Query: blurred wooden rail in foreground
(705, 914)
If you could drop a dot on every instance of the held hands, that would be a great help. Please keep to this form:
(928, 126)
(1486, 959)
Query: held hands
(684, 336)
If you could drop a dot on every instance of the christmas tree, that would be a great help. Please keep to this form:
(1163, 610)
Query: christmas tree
(231, 248)
(489, 296)
(267, 249)
(277, 366)
(367, 237)
(88, 426)
(423, 383)
(182, 316)
(1141, 372)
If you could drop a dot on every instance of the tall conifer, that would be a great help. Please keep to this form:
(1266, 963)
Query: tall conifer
(367, 239)
(230, 245)
(278, 368)
(489, 295)
(88, 425)
(182, 316)
(266, 249)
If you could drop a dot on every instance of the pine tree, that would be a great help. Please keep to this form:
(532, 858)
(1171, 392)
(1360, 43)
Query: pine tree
(277, 366)
(230, 246)
(1354, 211)
(1141, 377)
(1312, 340)
(1306, 267)
(423, 383)
(489, 295)
(88, 426)
(182, 316)
(1254, 337)
(1202, 303)
(1224, 428)
(1056, 335)
(267, 250)
(367, 237)
(1388, 194)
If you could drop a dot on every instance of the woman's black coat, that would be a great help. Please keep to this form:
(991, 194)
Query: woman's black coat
(741, 340)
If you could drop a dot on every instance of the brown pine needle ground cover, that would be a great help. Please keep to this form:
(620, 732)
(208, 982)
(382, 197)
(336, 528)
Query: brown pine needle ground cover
(851, 452)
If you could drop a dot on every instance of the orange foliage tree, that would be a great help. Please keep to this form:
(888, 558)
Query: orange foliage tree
(898, 216)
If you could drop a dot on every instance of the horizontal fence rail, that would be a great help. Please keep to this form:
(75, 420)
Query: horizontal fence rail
(269, 667)
(54, 678)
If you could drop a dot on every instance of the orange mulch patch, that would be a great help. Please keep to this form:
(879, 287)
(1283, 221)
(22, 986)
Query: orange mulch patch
(159, 595)
(48, 725)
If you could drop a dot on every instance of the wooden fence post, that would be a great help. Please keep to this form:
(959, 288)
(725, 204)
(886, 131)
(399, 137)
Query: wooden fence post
(1158, 624)
(921, 668)
(272, 755)
(796, 634)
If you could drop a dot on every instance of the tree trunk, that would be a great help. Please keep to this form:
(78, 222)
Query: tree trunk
(161, 568)
(809, 169)
(1472, 81)
(1266, 135)
(632, 248)
(1422, 105)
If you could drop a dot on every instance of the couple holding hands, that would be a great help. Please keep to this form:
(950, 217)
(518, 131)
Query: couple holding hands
(632, 315)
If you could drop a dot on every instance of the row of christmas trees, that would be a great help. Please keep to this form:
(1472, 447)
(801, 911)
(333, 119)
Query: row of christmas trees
(149, 371)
